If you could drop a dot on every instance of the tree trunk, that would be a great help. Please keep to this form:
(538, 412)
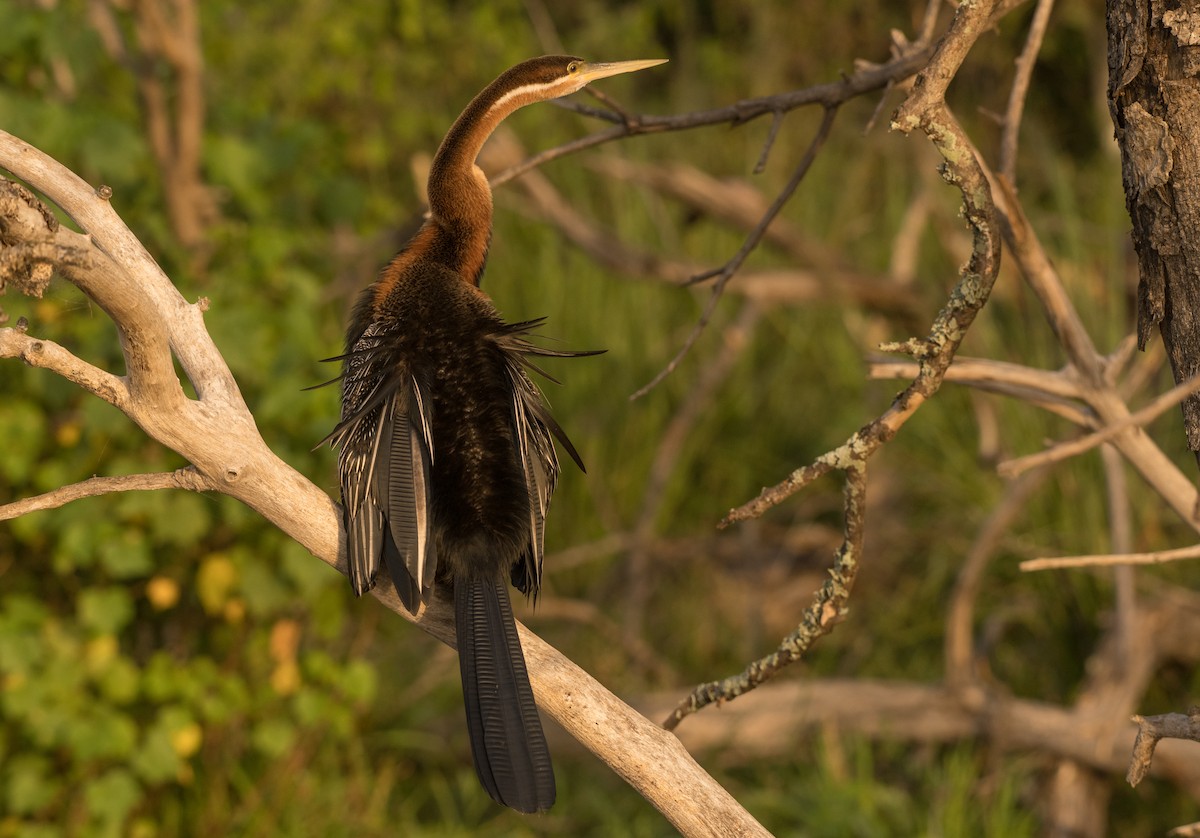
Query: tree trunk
(1154, 98)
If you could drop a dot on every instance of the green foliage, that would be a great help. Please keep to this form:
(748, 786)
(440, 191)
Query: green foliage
(169, 664)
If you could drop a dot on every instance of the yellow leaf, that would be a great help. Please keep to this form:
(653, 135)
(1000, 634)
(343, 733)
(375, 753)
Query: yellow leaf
(285, 680)
(215, 580)
(163, 593)
(187, 740)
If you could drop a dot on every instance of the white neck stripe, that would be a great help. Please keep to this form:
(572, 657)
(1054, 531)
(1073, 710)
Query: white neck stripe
(526, 90)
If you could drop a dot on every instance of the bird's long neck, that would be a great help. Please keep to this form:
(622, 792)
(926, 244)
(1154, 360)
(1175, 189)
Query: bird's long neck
(460, 200)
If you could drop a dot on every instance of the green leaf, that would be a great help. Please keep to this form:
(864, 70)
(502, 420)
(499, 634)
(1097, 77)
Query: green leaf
(102, 734)
(359, 681)
(105, 610)
(155, 760)
(127, 556)
(274, 737)
(111, 797)
(29, 786)
(264, 593)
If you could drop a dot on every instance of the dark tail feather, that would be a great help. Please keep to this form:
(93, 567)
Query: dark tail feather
(507, 742)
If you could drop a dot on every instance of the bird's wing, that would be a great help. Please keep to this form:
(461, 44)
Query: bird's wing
(513, 338)
(386, 450)
(402, 489)
(535, 453)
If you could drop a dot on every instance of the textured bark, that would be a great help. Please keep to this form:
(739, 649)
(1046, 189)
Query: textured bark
(1154, 98)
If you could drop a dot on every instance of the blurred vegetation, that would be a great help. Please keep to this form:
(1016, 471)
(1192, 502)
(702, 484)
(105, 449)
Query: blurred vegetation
(172, 665)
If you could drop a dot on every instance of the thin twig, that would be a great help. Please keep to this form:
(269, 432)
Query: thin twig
(818, 619)
(1111, 559)
(772, 134)
(830, 95)
(727, 271)
(185, 478)
(1074, 447)
(622, 113)
(1020, 89)
(868, 78)
(698, 403)
(960, 616)
(929, 20)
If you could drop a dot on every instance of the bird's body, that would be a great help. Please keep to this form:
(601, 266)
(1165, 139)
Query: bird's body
(447, 462)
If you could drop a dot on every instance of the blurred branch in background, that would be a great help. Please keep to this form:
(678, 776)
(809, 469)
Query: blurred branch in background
(925, 108)
(167, 61)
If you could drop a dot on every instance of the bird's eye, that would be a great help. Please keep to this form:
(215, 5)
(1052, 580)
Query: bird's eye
(573, 67)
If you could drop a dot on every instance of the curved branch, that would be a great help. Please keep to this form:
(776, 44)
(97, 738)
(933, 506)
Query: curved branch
(14, 343)
(217, 434)
(926, 109)
(726, 272)
(1160, 405)
(867, 79)
(818, 619)
(184, 478)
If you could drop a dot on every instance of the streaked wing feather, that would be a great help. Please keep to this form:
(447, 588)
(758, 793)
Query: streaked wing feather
(404, 489)
(539, 464)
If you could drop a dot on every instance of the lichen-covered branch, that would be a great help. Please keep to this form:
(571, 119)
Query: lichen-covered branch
(925, 109)
(818, 619)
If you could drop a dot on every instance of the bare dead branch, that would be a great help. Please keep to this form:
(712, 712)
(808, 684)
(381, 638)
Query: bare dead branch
(1074, 447)
(1036, 387)
(46, 354)
(936, 351)
(217, 434)
(935, 354)
(1101, 397)
(769, 722)
(1151, 729)
(726, 272)
(830, 95)
(184, 478)
(1112, 560)
(818, 619)
(962, 675)
(1020, 89)
(168, 67)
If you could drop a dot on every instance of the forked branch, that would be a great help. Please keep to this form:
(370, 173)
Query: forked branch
(217, 434)
(925, 109)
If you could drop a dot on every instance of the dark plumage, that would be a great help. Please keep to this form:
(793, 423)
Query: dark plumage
(446, 459)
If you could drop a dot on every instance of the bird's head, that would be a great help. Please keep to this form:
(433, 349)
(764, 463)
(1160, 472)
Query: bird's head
(552, 76)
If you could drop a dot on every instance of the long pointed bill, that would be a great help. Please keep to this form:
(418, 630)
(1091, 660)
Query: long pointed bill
(589, 72)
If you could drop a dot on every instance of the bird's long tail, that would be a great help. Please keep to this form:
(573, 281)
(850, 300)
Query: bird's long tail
(507, 742)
